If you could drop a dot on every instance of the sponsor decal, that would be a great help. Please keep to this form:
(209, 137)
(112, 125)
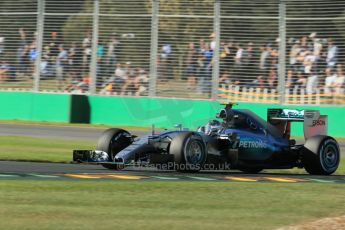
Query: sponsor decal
(319, 122)
(293, 113)
(252, 144)
(287, 113)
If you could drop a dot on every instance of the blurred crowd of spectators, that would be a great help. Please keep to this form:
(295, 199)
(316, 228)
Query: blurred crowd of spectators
(312, 64)
(69, 64)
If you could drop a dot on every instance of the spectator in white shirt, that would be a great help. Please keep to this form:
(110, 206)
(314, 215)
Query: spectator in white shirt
(330, 78)
(312, 83)
(338, 83)
(295, 49)
(213, 41)
(309, 60)
(239, 55)
(331, 54)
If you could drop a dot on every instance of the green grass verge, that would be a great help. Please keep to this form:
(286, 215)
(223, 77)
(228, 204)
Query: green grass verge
(78, 125)
(164, 205)
(40, 149)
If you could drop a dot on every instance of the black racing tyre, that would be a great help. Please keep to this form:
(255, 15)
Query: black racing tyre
(251, 170)
(320, 155)
(189, 152)
(113, 141)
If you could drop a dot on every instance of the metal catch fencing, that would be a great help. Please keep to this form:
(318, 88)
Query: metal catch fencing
(285, 51)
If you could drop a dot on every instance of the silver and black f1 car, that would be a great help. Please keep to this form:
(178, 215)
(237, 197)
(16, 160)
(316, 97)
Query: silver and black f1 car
(237, 139)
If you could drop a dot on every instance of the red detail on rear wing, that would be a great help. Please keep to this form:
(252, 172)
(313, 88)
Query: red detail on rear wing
(315, 124)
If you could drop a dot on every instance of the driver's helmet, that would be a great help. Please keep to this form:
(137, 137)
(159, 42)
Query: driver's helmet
(210, 127)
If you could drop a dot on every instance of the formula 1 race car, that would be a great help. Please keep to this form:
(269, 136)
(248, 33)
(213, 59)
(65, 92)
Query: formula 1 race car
(237, 139)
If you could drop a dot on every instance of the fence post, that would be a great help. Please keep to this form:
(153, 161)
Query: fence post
(39, 42)
(154, 48)
(215, 67)
(93, 65)
(282, 50)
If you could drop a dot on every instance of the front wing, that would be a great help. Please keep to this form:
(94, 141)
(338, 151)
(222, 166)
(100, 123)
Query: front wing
(100, 157)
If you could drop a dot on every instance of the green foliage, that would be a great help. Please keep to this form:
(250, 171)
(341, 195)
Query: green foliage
(340, 25)
(76, 26)
(113, 19)
(18, 6)
(185, 28)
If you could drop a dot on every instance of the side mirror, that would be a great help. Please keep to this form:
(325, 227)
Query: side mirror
(178, 126)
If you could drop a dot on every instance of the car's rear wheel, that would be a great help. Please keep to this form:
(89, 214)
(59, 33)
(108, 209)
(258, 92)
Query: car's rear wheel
(113, 141)
(320, 155)
(189, 152)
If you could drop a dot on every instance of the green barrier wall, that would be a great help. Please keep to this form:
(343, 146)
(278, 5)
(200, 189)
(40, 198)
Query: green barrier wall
(34, 106)
(142, 112)
(191, 114)
(147, 111)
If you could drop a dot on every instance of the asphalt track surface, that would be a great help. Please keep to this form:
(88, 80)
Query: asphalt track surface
(57, 171)
(34, 170)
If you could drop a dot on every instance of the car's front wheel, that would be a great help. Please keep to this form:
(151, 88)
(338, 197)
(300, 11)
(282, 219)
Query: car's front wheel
(189, 152)
(113, 141)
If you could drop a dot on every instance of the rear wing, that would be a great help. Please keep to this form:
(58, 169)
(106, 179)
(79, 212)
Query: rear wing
(314, 122)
